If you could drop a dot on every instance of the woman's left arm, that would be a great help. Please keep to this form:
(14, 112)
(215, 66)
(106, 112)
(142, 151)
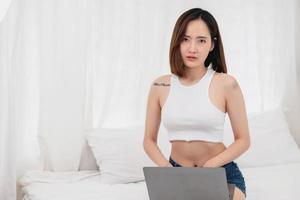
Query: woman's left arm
(236, 110)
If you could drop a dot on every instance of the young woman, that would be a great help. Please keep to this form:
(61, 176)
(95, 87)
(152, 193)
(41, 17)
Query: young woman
(193, 100)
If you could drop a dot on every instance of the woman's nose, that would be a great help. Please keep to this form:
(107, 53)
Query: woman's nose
(192, 48)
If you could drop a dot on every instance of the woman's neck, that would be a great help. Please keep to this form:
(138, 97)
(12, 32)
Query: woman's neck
(193, 74)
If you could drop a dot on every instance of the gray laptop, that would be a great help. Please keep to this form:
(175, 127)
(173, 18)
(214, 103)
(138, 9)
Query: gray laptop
(186, 183)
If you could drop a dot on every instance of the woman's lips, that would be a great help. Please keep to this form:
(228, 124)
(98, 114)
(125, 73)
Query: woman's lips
(191, 58)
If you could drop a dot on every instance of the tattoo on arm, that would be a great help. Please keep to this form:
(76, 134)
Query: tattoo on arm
(161, 84)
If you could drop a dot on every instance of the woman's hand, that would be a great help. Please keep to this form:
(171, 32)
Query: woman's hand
(210, 163)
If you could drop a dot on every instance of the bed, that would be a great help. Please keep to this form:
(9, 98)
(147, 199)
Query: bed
(271, 167)
(278, 182)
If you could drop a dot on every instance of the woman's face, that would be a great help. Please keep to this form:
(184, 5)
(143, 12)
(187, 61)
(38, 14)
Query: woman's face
(196, 44)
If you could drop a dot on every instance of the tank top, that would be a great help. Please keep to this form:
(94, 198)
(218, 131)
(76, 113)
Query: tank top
(188, 113)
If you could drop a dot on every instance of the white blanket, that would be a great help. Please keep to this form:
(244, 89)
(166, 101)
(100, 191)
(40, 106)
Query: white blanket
(278, 182)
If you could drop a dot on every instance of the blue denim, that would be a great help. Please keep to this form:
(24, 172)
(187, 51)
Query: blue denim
(233, 174)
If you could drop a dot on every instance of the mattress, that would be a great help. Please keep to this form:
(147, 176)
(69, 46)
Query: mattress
(279, 182)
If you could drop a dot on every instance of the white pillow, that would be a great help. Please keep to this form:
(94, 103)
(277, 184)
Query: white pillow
(120, 154)
(271, 141)
(55, 154)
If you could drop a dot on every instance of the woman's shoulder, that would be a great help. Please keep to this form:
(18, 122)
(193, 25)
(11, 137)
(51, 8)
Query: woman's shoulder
(163, 79)
(159, 85)
(226, 80)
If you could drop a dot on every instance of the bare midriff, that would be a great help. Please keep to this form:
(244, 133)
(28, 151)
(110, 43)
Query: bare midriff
(195, 153)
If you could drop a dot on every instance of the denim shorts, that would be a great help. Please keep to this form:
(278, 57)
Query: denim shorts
(233, 174)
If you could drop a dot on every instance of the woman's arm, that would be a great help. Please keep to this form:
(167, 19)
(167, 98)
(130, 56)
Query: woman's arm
(152, 124)
(236, 110)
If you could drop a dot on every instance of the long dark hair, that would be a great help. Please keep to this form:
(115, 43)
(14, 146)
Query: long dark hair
(215, 57)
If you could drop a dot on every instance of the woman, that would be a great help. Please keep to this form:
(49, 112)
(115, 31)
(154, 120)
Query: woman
(192, 102)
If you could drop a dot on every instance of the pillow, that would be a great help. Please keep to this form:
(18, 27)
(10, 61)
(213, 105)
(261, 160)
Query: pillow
(55, 154)
(120, 154)
(271, 141)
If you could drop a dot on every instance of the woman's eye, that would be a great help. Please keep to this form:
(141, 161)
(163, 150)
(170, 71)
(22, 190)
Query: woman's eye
(202, 41)
(184, 39)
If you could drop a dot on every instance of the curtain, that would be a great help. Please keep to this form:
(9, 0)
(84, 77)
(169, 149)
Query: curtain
(259, 42)
(4, 5)
(64, 31)
(19, 96)
(127, 48)
(70, 65)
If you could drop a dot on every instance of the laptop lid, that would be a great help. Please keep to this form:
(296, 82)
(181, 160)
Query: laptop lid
(186, 183)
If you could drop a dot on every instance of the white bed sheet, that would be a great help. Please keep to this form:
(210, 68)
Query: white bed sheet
(278, 182)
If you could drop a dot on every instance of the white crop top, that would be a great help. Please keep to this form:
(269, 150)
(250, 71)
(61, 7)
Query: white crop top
(188, 113)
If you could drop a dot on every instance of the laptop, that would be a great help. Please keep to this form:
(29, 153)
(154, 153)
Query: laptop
(186, 183)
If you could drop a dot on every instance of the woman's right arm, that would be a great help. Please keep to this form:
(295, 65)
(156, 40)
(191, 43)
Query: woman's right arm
(152, 124)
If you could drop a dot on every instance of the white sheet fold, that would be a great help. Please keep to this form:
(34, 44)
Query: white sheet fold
(56, 177)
